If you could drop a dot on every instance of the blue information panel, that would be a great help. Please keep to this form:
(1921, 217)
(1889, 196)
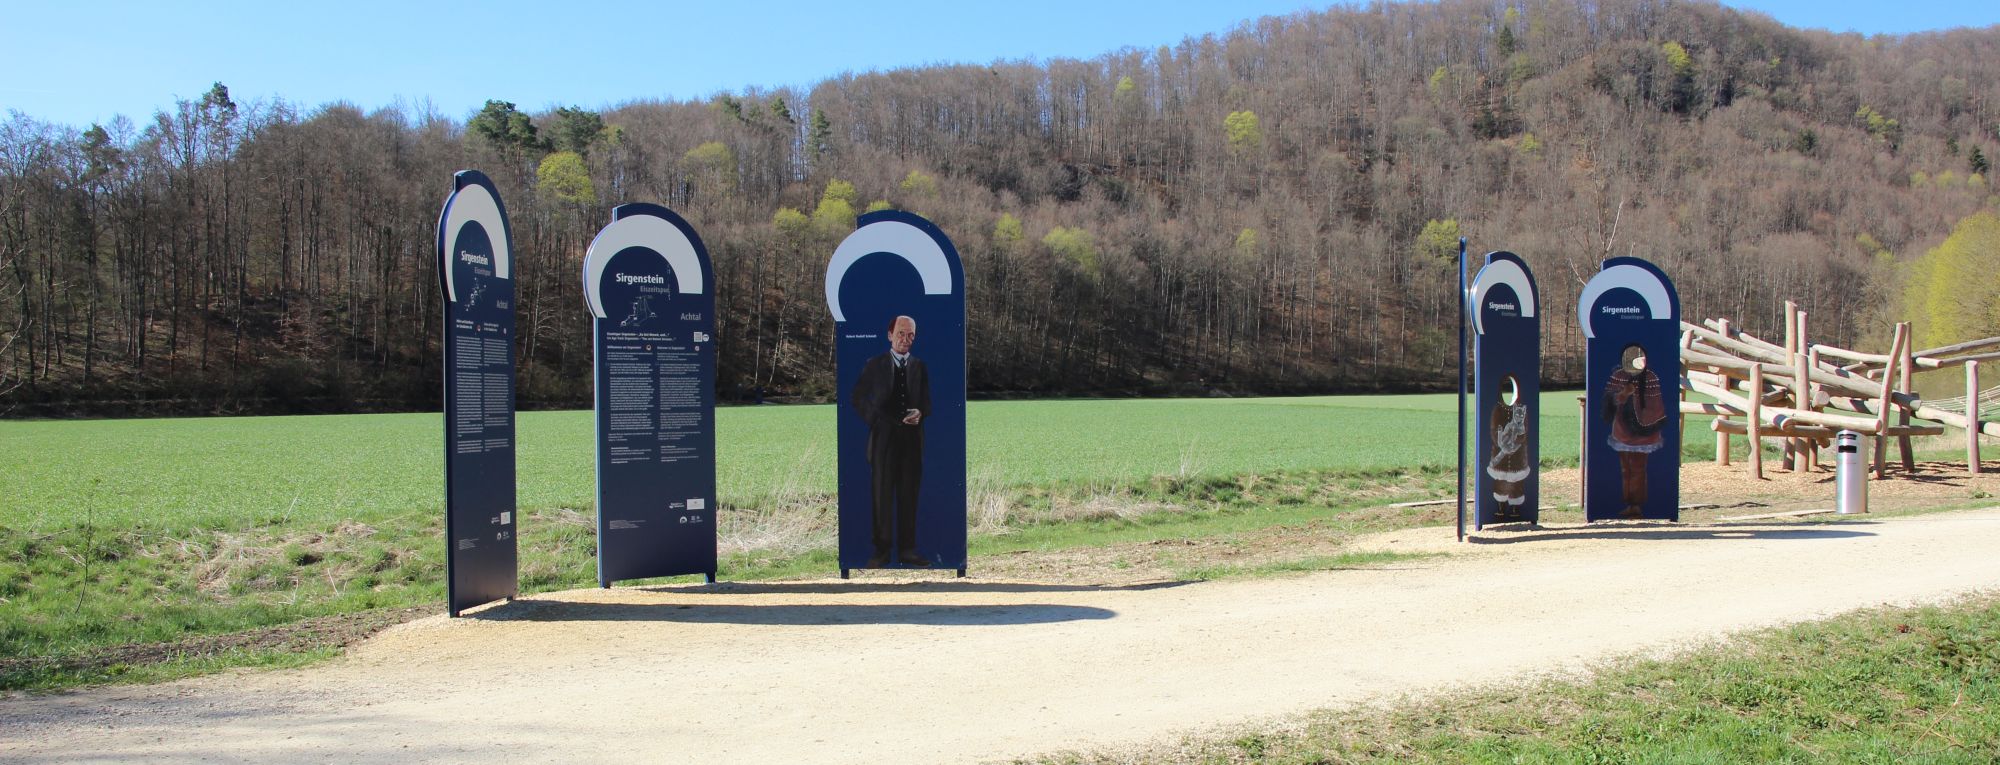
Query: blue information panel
(1507, 365)
(897, 294)
(650, 291)
(1631, 318)
(475, 257)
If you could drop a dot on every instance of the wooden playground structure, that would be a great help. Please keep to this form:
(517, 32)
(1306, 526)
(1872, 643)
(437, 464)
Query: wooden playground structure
(1802, 393)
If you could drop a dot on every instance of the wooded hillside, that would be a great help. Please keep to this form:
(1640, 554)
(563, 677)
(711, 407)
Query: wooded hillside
(1273, 210)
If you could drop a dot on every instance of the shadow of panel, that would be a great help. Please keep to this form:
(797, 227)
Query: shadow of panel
(795, 614)
(1667, 531)
(864, 586)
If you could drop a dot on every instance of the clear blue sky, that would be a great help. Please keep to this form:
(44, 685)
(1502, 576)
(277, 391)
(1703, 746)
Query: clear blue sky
(77, 62)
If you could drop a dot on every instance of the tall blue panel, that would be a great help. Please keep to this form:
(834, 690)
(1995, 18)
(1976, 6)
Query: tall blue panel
(897, 294)
(1507, 363)
(651, 294)
(1631, 318)
(475, 259)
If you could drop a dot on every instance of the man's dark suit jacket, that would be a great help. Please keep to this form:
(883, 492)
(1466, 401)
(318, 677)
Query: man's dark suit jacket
(872, 394)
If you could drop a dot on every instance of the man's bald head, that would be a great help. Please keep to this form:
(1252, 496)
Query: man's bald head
(902, 334)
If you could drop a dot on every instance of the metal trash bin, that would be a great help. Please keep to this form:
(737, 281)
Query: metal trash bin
(1850, 470)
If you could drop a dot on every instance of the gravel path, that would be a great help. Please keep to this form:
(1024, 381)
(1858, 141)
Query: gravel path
(967, 670)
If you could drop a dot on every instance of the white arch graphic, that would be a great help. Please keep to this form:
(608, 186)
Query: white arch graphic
(474, 204)
(1496, 273)
(896, 238)
(1630, 277)
(651, 232)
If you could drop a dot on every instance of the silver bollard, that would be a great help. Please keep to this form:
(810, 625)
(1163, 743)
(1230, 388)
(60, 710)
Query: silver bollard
(1850, 470)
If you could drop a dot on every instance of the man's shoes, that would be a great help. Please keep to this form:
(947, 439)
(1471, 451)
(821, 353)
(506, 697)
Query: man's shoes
(878, 560)
(911, 558)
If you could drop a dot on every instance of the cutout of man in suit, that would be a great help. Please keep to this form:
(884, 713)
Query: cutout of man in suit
(893, 396)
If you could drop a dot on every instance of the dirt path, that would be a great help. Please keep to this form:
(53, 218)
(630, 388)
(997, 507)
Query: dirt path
(955, 671)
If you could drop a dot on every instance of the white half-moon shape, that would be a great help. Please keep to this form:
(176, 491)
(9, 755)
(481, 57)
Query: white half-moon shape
(896, 238)
(1497, 272)
(474, 204)
(1630, 277)
(651, 232)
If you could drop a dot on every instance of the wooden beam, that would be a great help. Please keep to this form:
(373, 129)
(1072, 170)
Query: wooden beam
(1952, 362)
(1959, 347)
(1843, 353)
(1724, 340)
(1956, 420)
(1822, 375)
(1774, 397)
(1717, 410)
(1801, 429)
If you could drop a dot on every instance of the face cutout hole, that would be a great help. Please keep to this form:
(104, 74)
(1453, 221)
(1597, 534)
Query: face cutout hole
(1633, 358)
(1510, 390)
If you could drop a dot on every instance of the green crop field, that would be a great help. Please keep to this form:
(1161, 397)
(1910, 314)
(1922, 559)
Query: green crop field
(250, 471)
(125, 533)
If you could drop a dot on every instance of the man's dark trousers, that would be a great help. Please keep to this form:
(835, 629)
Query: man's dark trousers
(898, 471)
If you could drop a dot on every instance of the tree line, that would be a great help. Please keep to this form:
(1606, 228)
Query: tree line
(1271, 210)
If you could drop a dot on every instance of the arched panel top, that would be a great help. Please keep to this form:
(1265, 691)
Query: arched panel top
(905, 235)
(1506, 268)
(655, 228)
(1652, 284)
(473, 200)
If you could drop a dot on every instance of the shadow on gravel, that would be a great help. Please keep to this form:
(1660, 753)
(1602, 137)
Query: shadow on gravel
(793, 615)
(1670, 531)
(893, 585)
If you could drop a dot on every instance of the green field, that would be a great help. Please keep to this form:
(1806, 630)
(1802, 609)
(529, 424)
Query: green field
(250, 471)
(143, 550)
(127, 533)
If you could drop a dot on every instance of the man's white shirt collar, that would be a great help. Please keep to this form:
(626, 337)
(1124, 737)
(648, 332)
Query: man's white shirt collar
(901, 358)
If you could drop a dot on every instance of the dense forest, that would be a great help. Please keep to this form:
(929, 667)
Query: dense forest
(1273, 210)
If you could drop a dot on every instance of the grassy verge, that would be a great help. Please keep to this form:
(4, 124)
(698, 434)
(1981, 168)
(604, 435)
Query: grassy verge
(84, 603)
(1886, 685)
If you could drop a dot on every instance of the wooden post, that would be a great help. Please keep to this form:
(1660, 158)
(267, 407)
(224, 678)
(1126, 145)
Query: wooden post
(1801, 396)
(1812, 400)
(1972, 417)
(1721, 438)
(1896, 346)
(1791, 329)
(1906, 385)
(1754, 420)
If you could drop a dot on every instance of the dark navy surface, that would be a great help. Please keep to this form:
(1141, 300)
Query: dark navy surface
(875, 290)
(1509, 345)
(656, 488)
(1660, 338)
(481, 561)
